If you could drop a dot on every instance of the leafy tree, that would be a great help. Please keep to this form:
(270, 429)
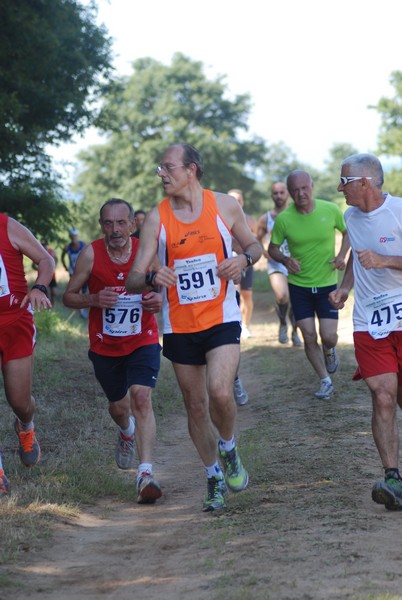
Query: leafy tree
(157, 106)
(326, 182)
(54, 61)
(390, 109)
(390, 136)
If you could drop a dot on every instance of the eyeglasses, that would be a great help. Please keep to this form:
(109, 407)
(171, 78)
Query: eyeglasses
(346, 180)
(167, 168)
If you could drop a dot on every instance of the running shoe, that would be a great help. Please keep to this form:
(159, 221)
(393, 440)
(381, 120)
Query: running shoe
(331, 360)
(4, 484)
(215, 495)
(325, 390)
(389, 493)
(148, 489)
(296, 341)
(29, 449)
(240, 394)
(124, 453)
(283, 334)
(236, 476)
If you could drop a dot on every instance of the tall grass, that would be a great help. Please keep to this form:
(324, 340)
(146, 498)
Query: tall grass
(76, 435)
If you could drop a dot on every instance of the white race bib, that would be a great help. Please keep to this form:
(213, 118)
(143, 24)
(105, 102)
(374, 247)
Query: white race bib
(4, 287)
(197, 279)
(124, 318)
(384, 313)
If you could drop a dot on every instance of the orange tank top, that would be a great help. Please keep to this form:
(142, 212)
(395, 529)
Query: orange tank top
(200, 299)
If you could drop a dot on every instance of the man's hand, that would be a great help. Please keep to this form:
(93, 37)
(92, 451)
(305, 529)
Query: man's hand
(152, 302)
(292, 265)
(231, 268)
(38, 300)
(338, 262)
(338, 298)
(370, 260)
(105, 298)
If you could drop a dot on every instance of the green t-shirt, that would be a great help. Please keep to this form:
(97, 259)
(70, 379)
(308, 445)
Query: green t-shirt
(311, 240)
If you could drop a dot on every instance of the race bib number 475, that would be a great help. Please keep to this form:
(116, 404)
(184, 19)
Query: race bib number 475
(197, 280)
(384, 313)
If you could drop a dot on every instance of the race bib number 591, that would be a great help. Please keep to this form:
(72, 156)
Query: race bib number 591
(197, 280)
(384, 313)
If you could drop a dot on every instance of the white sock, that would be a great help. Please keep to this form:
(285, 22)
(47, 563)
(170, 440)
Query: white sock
(326, 379)
(227, 445)
(26, 426)
(213, 471)
(144, 468)
(129, 432)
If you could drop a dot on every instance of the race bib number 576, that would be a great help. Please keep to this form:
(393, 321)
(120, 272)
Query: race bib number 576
(384, 313)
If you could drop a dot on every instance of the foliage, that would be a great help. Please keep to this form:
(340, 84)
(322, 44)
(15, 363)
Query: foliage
(326, 182)
(159, 105)
(390, 136)
(390, 109)
(54, 61)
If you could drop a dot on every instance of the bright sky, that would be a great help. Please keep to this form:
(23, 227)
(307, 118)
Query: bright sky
(311, 68)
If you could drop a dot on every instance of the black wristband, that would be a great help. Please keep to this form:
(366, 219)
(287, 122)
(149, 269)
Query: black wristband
(42, 288)
(150, 278)
(248, 259)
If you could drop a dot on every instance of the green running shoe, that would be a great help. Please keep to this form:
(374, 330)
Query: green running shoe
(236, 476)
(389, 493)
(215, 496)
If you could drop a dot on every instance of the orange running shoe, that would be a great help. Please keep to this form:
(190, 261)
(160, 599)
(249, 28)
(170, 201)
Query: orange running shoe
(4, 484)
(29, 449)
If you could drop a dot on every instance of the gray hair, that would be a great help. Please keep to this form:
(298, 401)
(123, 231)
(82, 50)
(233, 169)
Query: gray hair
(366, 165)
(112, 202)
(296, 172)
(191, 155)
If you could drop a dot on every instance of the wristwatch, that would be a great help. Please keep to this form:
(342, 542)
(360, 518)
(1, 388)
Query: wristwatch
(39, 286)
(150, 278)
(248, 259)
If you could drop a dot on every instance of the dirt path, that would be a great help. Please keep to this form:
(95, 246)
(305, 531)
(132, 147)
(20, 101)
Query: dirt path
(321, 536)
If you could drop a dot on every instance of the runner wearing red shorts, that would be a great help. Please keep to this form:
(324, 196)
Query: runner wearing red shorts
(17, 330)
(374, 224)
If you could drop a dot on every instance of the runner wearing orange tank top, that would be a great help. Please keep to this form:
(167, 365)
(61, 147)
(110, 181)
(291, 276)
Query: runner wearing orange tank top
(191, 230)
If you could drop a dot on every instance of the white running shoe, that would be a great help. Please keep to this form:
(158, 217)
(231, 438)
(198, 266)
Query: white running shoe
(148, 489)
(296, 341)
(239, 392)
(325, 390)
(124, 453)
(331, 359)
(283, 334)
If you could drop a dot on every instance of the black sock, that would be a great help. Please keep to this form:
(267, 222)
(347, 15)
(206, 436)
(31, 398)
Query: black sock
(392, 473)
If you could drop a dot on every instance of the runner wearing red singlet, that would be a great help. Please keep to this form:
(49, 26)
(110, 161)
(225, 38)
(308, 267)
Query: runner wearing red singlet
(17, 330)
(191, 230)
(123, 337)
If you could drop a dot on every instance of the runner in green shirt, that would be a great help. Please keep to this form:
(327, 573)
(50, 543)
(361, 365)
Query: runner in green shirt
(309, 225)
